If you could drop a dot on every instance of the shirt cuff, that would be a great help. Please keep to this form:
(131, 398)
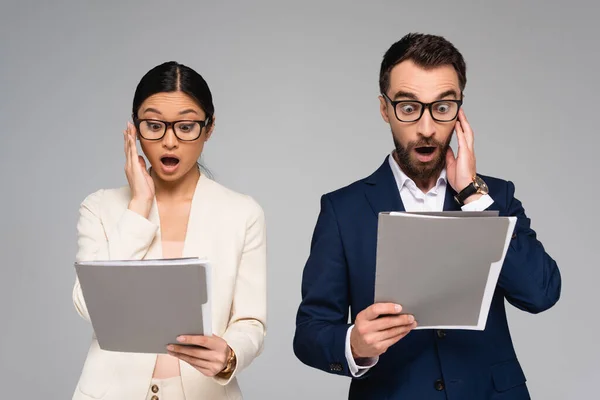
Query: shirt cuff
(360, 366)
(480, 204)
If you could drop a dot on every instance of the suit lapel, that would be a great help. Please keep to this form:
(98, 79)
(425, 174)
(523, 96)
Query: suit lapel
(383, 195)
(382, 190)
(449, 203)
(155, 249)
(197, 236)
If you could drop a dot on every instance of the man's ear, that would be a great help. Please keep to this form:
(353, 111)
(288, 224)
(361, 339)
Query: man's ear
(383, 105)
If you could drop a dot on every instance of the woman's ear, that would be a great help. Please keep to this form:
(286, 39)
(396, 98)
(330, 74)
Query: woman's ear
(211, 127)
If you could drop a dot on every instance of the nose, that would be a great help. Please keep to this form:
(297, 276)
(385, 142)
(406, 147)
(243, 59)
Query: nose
(170, 141)
(426, 125)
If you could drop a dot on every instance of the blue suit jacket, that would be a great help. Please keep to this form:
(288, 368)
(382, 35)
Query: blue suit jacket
(426, 364)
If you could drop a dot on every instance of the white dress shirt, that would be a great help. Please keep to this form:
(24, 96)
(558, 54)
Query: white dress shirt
(414, 200)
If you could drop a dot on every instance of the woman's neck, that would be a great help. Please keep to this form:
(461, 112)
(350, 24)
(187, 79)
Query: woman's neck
(181, 189)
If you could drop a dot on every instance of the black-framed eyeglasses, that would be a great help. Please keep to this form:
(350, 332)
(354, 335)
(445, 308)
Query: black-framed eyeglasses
(412, 110)
(155, 129)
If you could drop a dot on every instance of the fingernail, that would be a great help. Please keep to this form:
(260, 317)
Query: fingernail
(411, 319)
(181, 339)
(398, 308)
(170, 347)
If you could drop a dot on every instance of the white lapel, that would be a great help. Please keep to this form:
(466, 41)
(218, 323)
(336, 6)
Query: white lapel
(197, 244)
(197, 236)
(155, 249)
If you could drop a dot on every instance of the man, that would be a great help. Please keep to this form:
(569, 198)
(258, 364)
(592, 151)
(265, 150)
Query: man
(422, 79)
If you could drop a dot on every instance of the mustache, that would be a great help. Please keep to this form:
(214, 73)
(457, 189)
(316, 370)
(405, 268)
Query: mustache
(425, 142)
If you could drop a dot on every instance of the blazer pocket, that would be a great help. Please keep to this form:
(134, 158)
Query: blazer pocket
(507, 375)
(99, 371)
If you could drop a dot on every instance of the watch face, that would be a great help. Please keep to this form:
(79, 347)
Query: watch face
(481, 185)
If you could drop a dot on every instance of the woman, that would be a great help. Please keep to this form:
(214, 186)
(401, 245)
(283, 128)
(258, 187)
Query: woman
(173, 210)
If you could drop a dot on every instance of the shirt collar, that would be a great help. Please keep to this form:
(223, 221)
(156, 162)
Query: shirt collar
(403, 180)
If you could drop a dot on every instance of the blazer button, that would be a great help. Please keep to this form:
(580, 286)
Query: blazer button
(154, 398)
(441, 333)
(336, 367)
(439, 385)
(154, 389)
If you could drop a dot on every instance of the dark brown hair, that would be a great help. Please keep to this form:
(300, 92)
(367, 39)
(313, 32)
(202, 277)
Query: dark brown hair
(172, 77)
(427, 51)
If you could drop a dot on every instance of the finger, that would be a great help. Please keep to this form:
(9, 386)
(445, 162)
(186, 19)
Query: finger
(130, 154)
(468, 132)
(133, 154)
(208, 342)
(193, 361)
(460, 136)
(130, 131)
(126, 136)
(200, 353)
(385, 323)
(133, 131)
(125, 141)
(127, 150)
(392, 341)
(374, 311)
(391, 333)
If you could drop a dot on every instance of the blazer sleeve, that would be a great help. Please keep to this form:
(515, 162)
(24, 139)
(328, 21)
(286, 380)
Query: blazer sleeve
(246, 330)
(322, 318)
(529, 278)
(129, 239)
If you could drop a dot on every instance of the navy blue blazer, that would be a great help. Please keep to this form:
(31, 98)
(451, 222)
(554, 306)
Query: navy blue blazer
(339, 278)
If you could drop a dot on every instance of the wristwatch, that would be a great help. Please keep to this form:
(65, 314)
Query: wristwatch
(478, 186)
(230, 366)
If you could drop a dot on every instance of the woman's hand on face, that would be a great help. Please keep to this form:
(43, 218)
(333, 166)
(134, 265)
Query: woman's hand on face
(140, 182)
(208, 354)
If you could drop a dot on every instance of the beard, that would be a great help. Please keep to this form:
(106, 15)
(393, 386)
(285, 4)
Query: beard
(415, 169)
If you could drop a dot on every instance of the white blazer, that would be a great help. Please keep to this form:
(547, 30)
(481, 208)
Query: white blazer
(226, 227)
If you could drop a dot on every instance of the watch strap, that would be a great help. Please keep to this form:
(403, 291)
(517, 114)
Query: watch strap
(464, 194)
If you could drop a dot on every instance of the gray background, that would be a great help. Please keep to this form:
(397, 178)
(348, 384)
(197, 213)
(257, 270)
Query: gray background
(295, 88)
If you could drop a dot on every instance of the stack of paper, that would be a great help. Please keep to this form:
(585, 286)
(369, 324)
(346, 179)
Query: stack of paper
(441, 267)
(142, 306)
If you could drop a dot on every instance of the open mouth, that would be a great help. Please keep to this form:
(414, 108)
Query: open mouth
(425, 150)
(169, 161)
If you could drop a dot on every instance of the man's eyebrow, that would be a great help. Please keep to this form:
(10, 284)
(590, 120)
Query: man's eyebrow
(408, 95)
(448, 93)
(412, 96)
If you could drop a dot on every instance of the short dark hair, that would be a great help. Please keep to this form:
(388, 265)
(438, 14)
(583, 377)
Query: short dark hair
(173, 77)
(427, 51)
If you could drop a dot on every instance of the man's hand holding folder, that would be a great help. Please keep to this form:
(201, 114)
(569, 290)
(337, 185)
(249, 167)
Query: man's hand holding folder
(377, 328)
